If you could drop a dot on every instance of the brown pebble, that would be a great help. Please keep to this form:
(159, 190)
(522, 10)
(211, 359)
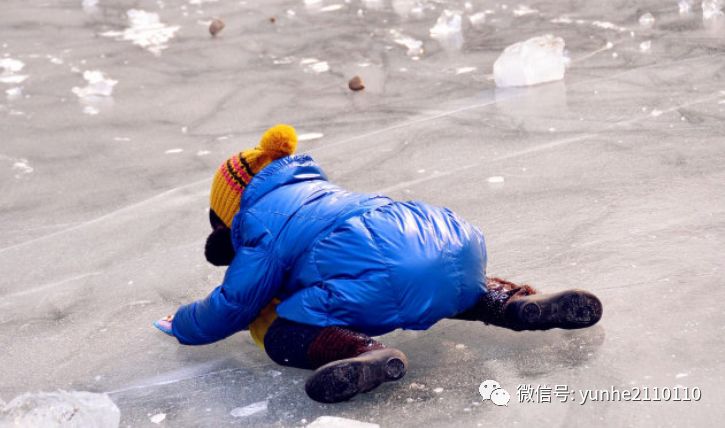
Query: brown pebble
(215, 27)
(356, 84)
(273, 20)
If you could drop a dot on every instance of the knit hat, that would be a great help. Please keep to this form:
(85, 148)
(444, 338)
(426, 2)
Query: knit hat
(234, 175)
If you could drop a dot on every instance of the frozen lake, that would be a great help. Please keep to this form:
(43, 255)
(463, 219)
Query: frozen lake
(113, 122)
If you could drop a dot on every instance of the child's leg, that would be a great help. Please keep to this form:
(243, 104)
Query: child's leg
(347, 362)
(521, 307)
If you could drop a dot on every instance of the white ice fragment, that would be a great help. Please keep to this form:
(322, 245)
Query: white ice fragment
(331, 8)
(685, 6)
(522, 10)
(415, 47)
(291, 13)
(241, 412)
(60, 409)
(463, 70)
(173, 151)
(158, 418)
(645, 46)
(449, 22)
(274, 373)
(91, 110)
(712, 9)
(647, 20)
(54, 59)
(9, 68)
(98, 85)
(437, 390)
(477, 19)
(145, 30)
(202, 152)
(607, 26)
(656, 113)
(310, 136)
(313, 65)
(338, 422)
(121, 139)
(495, 179)
(680, 375)
(14, 93)
(89, 6)
(460, 346)
(537, 60)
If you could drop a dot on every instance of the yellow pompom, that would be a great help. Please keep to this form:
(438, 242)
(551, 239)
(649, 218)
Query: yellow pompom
(281, 139)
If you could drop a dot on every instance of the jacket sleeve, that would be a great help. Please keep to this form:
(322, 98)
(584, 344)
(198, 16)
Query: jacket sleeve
(250, 283)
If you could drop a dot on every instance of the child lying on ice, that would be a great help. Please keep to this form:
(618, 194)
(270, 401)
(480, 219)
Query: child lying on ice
(315, 270)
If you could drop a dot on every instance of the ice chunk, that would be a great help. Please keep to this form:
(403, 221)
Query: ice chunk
(241, 412)
(60, 409)
(685, 6)
(647, 20)
(14, 93)
(522, 10)
(537, 60)
(158, 418)
(98, 85)
(313, 65)
(338, 422)
(496, 179)
(449, 22)
(712, 9)
(645, 46)
(8, 70)
(89, 6)
(415, 47)
(477, 19)
(145, 30)
(310, 136)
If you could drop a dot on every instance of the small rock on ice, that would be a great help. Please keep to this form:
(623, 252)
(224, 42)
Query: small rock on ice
(536, 60)
(338, 422)
(241, 412)
(158, 418)
(495, 179)
(647, 20)
(51, 409)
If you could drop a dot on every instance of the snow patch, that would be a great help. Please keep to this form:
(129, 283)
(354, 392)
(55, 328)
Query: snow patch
(145, 30)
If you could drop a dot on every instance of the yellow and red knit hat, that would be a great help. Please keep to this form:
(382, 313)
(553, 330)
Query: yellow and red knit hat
(234, 175)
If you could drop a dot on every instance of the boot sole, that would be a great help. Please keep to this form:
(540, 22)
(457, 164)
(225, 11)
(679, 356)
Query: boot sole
(341, 380)
(571, 309)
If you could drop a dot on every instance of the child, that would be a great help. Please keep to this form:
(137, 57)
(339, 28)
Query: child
(315, 270)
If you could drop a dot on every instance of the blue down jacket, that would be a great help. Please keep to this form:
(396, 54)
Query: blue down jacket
(335, 257)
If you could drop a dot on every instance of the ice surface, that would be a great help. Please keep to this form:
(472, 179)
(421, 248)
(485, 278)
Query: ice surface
(448, 22)
(106, 234)
(241, 412)
(415, 47)
(338, 422)
(537, 60)
(65, 409)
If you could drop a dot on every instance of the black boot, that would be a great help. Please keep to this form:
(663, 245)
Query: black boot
(520, 307)
(343, 379)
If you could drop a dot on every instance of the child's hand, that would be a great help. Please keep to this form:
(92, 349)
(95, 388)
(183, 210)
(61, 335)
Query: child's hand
(164, 324)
